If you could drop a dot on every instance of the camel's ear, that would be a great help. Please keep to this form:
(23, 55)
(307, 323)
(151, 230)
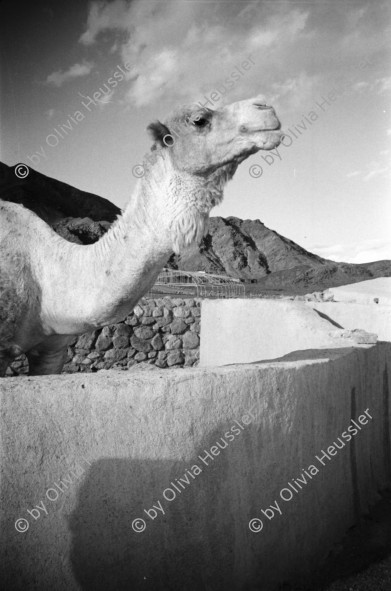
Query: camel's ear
(160, 134)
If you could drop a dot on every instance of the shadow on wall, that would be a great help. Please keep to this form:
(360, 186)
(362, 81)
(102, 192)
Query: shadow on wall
(199, 537)
(201, 542)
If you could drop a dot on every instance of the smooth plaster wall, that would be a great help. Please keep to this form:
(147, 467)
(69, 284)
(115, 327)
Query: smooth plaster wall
(244, 330)
(114, 441)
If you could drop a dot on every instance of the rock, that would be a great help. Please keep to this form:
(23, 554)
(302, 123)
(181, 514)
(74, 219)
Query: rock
(140, 345)
(195, 327)
(196, 311)
(147, 320)
(157, 312)
(357, 335)
(94, 355)
(83, 352)
(152, 355)
(107, 331)
(173, 342)
(361, 337)
(189, 320)
(121, 342)
(138, 311)
(162, 355)
(103, 342)
(178, 326)
(131, 352)
(99, 365)
(191, 358)
(181, 312)
(160, 322)
(157, 342)
(143, 366)
(144, 332)
(140, 356)
(115, 354)
(161, 363)
(87, 341)
(178, 302)
(78, 359)
(174, 358)
(190, 340)
(132, 320)
(122, 330)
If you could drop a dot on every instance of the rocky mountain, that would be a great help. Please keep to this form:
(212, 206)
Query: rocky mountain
(53, 200)
(244, 249)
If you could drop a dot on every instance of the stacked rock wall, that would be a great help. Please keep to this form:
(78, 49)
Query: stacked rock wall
(164, 332)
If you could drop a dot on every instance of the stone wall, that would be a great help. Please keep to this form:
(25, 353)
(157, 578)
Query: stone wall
(163, 332)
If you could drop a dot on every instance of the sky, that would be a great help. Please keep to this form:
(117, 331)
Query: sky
(325, 66)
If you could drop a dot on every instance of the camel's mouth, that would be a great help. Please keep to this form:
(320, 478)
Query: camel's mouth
(276, 127)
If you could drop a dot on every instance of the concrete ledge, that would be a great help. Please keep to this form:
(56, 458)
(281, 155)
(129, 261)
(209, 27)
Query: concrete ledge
(372, 291)
(370, 317)
(244, 331)
(97, 451)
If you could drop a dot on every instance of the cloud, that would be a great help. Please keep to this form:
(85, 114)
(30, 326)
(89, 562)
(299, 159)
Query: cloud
(376, 168)
(106, 99)
(187, 61)
(377, 86)
(181, 50)
(76, 71)
(297, 89)
(103, 16)
(365, 251)
(377, 171)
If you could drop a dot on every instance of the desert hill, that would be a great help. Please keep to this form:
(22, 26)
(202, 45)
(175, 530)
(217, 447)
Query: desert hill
(244, 249)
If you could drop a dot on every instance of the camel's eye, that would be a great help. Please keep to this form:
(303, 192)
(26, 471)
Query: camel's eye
(198, 120)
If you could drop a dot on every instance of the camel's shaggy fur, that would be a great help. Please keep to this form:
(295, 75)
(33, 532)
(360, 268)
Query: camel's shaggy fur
(51, 290)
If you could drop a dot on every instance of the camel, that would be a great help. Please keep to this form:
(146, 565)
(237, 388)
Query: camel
(52, 290)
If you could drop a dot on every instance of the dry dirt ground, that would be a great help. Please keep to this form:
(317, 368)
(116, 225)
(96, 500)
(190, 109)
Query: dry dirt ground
(362, 561)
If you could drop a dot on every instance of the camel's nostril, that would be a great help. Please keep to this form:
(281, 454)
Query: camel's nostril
(262, 106)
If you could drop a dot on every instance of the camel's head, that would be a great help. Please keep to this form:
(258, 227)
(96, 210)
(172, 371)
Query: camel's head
(201, 140)
(203, 148)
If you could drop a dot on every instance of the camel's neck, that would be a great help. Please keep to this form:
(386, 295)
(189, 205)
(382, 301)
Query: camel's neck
(127, 259)
(166, 213)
